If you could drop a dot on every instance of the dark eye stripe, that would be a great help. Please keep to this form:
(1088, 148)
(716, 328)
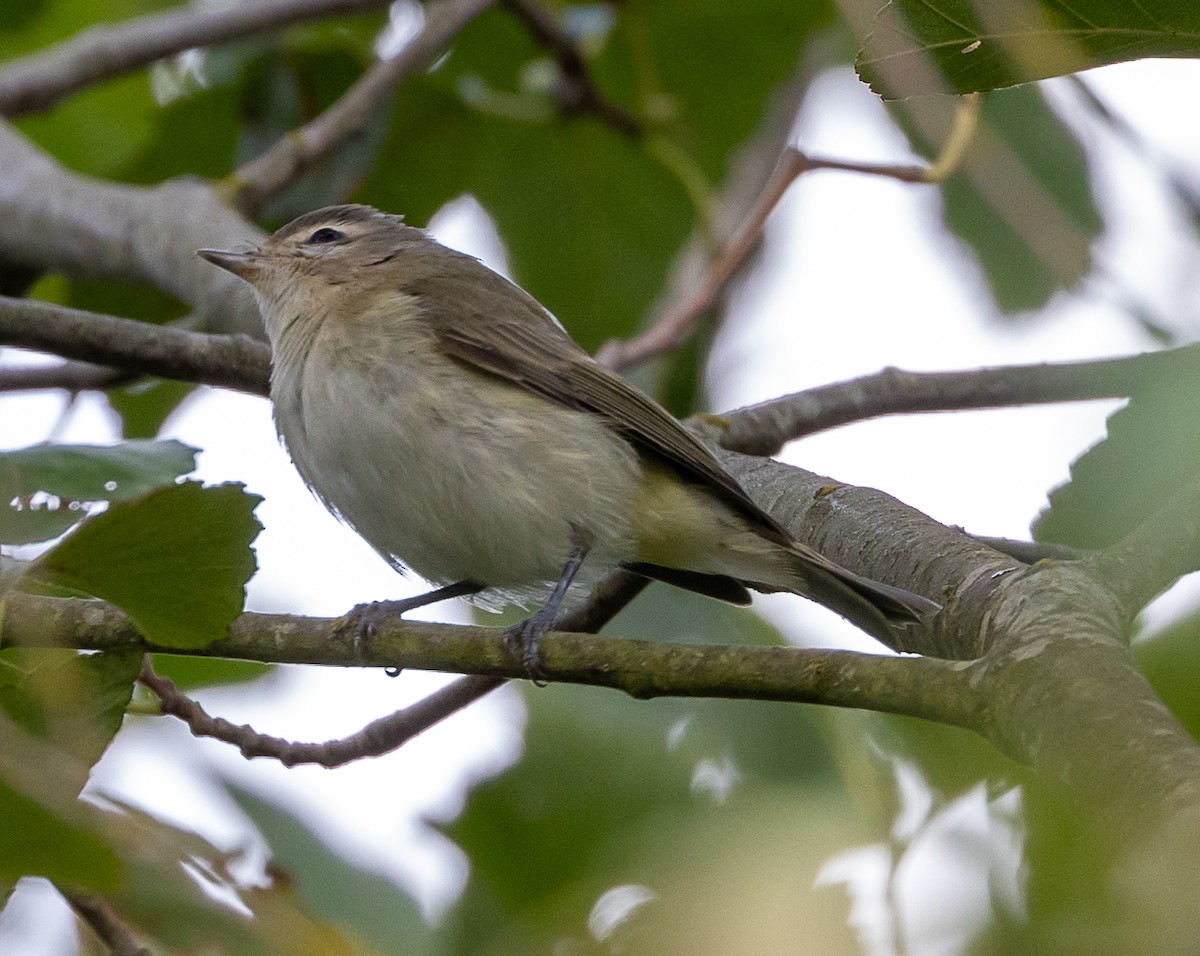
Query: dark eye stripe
(325, 235)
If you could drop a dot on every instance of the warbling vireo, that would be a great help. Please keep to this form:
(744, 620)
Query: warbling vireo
(447, 417)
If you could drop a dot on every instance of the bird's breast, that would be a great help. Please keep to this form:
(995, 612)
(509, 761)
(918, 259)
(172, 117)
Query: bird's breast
(452, 472)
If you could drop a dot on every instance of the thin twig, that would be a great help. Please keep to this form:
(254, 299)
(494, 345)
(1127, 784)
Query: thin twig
(294, 154)
(578, 92)
(763, 429)
(388, 733)
(40, 80)
(230, 360)
(676, 324)
(375, 739)
(105, 922)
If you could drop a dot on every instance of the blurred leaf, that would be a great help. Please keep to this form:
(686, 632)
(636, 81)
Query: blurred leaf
(175, 887)
(944, 46)
(74, 701)
(146, 404)
(196, 135)
(286, 89)
(1152, 449)
(603, 779)
(18, 17)
(75, 476)
(362, 904)
(1020, 199)
(591, 219)
(36, 842)
(127, 300)
(952, 760)
(175, 560)
(1171, 662)
(27, 27)
(189, 673)
(98, 130)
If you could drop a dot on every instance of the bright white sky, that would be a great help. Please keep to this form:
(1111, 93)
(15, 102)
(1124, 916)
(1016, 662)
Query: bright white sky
(854, 279)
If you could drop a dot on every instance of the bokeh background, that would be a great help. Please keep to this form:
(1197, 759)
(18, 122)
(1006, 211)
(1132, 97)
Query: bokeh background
(572, 820)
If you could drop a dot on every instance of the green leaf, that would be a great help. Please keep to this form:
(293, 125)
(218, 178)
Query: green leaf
(98, 130)
(286, 89)
(76, 476)
(34, 841)
(146, 404)
(600, 783)
(1171, 662)
(363, 904)
(1021, 198)
(196, 135)
(171, 878)
(74, 701)
(1152, 448)
(963, 46)
(189, 672)
(176, 560)
(591, 219)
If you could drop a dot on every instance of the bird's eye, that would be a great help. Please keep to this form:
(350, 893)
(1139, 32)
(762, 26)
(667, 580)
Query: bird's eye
(325, 235)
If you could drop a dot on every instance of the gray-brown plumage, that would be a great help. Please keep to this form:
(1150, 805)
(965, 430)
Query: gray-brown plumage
(445, 415)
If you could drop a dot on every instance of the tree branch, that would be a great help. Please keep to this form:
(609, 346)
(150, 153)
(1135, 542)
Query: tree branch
(228, 360)
(1061, 691)
(578, 92)
(39, 81)
(375, 739)
(933, 689)
(764, 429)
(388, 733)
(265, 176)
(676, 325)
(105, 922)
(72, 376)
(58, 221)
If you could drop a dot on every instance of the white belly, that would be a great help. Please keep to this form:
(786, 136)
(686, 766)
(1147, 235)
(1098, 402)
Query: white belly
(456, 475)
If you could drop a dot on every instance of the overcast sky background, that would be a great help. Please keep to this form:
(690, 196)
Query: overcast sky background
(856, 275)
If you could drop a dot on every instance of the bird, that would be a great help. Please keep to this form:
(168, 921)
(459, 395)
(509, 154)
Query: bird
(447, 417)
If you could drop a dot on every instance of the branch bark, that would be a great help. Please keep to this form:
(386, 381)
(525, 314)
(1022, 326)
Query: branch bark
(936, 690)
(765, 428)
(229, 360)
(39, 81)
(58, 221)
(265, 176)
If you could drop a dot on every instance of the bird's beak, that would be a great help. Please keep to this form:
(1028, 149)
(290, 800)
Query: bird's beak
(244, 265)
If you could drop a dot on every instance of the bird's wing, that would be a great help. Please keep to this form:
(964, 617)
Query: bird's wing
(529, 349)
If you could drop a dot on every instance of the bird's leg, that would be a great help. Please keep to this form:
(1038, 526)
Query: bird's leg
(524, 638)
(364, 619)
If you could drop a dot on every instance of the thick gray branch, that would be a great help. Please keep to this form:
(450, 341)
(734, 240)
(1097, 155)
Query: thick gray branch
(880, 537)
(42, 79)
(1063, 693)
(58, 221)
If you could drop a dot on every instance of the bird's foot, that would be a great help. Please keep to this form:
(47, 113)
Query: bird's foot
(364, 620)
(524, 640)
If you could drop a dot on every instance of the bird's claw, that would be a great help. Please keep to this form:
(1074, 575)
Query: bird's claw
(524, 640)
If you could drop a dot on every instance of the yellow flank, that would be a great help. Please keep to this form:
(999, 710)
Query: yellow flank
(684, 525)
